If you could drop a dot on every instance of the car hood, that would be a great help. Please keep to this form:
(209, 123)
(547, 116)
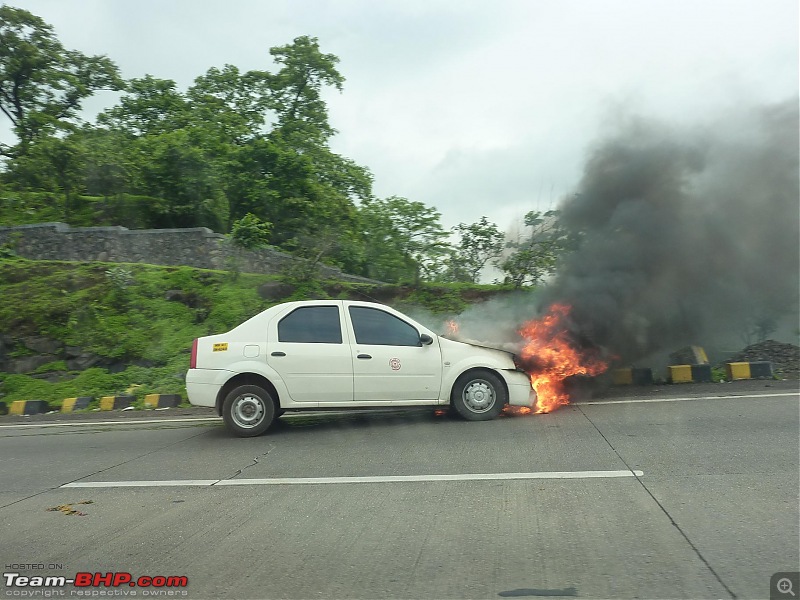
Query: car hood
(508, 348)
(502, 353)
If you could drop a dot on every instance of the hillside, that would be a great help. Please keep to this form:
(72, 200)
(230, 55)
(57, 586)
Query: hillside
(94, 329)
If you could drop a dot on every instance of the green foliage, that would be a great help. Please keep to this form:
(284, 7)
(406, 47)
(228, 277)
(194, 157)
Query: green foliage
(250, 232)
(535, 253)
(120, 277)
(719, 374)
(439, 300)
(296, 92)
(478, 244)
(404, 240)
(51, 367)
(150, 106)
(42, 84)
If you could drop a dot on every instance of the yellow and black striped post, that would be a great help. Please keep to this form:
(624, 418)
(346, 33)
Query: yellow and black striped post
(162, 400)
(72, 404)
(28, 407)
(749, 370)
(116, 402)
(690, 373)
(632, 376)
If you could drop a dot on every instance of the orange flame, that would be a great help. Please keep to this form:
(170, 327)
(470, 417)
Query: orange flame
(550, 355)
(452, 327)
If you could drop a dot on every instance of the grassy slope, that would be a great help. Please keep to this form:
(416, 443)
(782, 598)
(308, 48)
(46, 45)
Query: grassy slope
(120, 313)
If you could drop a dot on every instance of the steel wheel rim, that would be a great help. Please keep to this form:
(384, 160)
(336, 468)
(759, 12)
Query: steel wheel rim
(248, 411)
(479, 396)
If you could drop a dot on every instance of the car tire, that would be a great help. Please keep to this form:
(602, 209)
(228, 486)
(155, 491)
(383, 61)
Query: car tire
(478, 396)
(248, 411)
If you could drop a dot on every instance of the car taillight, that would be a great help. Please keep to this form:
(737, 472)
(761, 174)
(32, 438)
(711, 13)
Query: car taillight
(193, 359)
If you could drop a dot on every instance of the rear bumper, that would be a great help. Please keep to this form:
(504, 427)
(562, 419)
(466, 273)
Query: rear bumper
(520, 392)
(203, 385)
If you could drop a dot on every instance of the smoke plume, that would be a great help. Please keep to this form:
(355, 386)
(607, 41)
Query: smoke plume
(684, 236)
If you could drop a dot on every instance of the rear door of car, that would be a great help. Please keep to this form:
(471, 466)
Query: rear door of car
(309, 347)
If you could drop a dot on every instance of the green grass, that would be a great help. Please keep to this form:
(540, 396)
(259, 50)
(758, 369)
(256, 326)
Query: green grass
(120, 313)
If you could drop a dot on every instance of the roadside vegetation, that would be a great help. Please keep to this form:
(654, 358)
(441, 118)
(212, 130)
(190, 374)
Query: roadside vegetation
(96, 329)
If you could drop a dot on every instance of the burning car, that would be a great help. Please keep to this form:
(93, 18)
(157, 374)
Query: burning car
(345, 354)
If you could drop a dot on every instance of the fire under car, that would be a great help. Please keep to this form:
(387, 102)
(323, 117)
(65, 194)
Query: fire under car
(313, 355)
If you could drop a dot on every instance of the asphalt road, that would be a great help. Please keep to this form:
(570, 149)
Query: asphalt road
(629, 497)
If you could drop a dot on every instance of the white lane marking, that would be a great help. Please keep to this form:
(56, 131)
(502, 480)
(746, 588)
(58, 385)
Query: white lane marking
(367, 479)
(655, 400)
(125, 422)
(167, 483)
(417, 478)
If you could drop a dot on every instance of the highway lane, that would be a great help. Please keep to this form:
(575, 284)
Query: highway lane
(713, 514)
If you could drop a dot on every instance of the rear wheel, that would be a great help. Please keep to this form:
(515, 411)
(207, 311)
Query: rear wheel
(478, 396)
(248, 410)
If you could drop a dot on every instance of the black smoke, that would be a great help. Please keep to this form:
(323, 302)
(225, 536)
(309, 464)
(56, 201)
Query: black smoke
(684, 235)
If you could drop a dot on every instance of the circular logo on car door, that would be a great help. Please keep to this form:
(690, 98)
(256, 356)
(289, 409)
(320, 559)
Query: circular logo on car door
(395, 364)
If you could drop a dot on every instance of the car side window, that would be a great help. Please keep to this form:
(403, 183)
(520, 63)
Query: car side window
(311, 325)
(379, 328)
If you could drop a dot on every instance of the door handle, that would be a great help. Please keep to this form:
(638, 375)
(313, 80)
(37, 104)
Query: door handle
(364, 356)
(278, 354)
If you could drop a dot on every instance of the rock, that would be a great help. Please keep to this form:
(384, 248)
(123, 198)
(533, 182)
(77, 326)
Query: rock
(174, 296)
(27, 364)
(83, 361)
(785, 358)
(191, 299)
(42, 345)
(6, 344)
(690, 355)
(275, 290)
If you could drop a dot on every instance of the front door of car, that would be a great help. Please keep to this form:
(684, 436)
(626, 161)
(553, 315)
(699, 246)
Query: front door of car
(389, 361)
(309, 350)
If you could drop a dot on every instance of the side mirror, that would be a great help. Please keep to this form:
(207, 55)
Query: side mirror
(425, 339)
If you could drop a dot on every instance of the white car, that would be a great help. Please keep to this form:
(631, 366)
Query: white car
(318, 354)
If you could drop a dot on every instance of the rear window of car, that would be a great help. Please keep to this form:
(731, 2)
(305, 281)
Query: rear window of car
(311, 325)
(379, 328)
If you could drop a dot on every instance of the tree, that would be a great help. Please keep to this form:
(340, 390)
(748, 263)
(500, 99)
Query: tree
(302, 115)
(109, 169)
(53, 164)
(150, 106)
(534, 256)
(478, 244)
(42, 84)
(179, 173)
(404, 240)
(250, 232)
(236, 102)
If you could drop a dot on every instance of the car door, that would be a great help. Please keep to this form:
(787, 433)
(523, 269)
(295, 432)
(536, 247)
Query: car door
(310, 350)
(389, 361)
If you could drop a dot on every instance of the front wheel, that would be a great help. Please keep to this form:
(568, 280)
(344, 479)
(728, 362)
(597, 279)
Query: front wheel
(248, 411)
(478, 396)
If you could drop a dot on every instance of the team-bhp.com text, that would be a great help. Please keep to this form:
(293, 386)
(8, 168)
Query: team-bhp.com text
(32, 586)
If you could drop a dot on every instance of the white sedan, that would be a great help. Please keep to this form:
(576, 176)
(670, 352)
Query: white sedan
(342, 354)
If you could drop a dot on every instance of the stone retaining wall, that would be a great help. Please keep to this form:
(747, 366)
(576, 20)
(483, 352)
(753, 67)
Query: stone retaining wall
(196, 247)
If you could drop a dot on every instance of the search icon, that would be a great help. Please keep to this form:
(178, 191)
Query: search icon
(784, 586)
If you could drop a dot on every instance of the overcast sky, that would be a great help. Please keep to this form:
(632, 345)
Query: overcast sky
(475, 107)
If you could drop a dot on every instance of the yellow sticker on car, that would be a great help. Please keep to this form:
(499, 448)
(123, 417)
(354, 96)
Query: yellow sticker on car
(222, 347)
